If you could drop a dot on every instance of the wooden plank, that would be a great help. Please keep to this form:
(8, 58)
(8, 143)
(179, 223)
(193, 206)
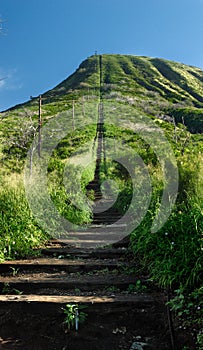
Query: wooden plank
(83, 283)
(86, 253)
(52, 262)
(140, 298)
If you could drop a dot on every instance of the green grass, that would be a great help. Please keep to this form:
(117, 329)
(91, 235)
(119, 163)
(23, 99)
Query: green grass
(170, 94)
(19, 233)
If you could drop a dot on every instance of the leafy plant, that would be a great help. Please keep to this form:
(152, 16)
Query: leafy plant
(112, 289)
(8, 290)
(200, 340)
(74, 316)
(14, 271)
(188, 308)
(137, 288)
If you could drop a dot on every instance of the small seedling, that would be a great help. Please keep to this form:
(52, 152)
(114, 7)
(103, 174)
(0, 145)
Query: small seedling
(14, 271)
(6, 288)
(77, 290)
(74, 316)
(17, 291)
(138, 287)
(112, 289)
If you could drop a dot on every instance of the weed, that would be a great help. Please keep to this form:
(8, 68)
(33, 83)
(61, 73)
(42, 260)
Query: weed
(188, 309)
(14, 271)
(129, 270)
(200, 340)
(6, 288)
(17, 291)
(77, 290)
(112, 289)
(137, 288)
(74, 316)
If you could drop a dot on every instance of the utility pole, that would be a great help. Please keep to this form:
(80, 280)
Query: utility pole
(73, 115)
(83, 105)
(175, 130)
(40, 126)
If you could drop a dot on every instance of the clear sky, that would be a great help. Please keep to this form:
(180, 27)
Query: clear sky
(44, 41)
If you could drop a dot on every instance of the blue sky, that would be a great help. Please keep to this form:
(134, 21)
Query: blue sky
(44, 41)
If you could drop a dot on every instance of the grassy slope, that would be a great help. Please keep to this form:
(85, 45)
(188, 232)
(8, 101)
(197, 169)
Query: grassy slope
(162, 85)
(167, 92)
(154, 87)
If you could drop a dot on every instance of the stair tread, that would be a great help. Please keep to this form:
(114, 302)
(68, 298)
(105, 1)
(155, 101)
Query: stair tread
(53, 262)
(61, 299)
(68, 280)
(85, 251)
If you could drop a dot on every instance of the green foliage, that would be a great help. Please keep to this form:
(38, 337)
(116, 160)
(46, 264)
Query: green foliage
(191, 117)
(18, 231)
(168, 92)
(8, 290)
(74, 316)
(184, 304)
(138, 287)
(189, 309)
(69, 199)
(173, 254)
(199, 342)
(112, 289)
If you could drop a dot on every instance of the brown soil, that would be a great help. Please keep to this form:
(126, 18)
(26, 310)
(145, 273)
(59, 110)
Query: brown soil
(35, 328)
(36, 323)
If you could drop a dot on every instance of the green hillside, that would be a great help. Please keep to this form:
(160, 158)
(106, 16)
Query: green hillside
(154, 86)
(152, 106)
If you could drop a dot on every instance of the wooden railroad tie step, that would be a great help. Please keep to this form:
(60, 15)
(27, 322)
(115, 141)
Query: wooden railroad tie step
(67, 265)
(138, 299)
(61, 282)
(86, 253)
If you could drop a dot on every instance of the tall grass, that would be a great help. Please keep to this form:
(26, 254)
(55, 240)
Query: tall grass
(19, 233)
(173, 255)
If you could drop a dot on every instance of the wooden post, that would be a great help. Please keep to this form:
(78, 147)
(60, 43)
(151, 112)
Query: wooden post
(175, 130)
(39, 126)
(83, 105)
(73, 115)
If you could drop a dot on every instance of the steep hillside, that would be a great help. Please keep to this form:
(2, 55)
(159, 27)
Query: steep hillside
(156, 87)
(163, 90)
(134, 126)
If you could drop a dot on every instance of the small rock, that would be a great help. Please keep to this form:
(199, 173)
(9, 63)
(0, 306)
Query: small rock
(138, 346)
(120, 330)
(148, 339)
(138, 337)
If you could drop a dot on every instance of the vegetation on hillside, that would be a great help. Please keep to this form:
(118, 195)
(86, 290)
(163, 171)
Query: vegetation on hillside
(170, 94)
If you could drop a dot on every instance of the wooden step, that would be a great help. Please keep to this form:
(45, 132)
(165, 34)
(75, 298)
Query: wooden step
(65, 282)
(58, 264)
(121, 299)
(93, 237)
(86, 253)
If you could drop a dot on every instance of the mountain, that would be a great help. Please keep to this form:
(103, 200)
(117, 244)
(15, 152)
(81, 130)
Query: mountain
(157, 87)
